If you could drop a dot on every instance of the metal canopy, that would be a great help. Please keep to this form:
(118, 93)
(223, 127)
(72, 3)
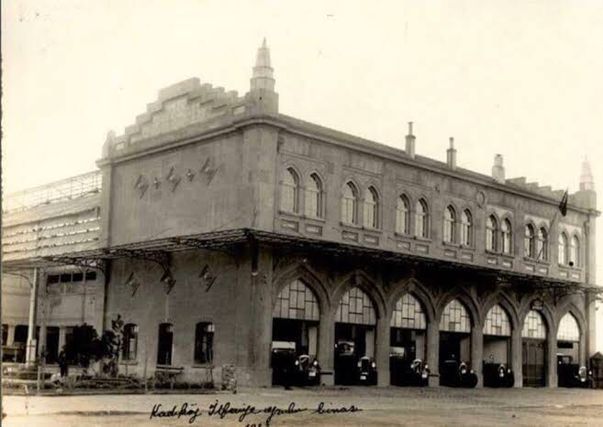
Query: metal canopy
(229, 240)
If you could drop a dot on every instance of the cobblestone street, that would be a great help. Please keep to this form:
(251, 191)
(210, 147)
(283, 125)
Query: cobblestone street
(380, 407)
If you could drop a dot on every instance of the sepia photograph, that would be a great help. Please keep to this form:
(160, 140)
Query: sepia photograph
(301, 213)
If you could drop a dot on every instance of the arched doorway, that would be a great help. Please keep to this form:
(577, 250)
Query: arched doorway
(568, 350)
(497, 344)
(534, 350)
(355, 323)
(295, 321)
(455, 340)
(407, 337)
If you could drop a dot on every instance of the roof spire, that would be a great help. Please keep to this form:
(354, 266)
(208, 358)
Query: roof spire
(586, 177)
(262, 71)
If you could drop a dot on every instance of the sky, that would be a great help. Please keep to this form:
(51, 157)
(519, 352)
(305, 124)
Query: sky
(519, 78)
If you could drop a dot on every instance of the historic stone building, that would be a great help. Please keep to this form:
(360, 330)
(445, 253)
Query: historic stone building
(222, 225)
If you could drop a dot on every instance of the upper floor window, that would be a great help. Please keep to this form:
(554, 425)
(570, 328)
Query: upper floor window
(491, 233)
(574, 255)
(349, 204)
(130, 341)
(528, 242)
(421, 219)
(466, 228)
(506, 237)
(371, 208)
(290, 191)
(563, 249)
(542, 245)
(204, 342)
(313, 206)
(449, 224)
(403, 215)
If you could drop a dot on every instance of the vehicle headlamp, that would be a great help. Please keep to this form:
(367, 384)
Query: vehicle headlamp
(374, 365)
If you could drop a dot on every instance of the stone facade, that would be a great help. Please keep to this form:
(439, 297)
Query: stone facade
(213, 204)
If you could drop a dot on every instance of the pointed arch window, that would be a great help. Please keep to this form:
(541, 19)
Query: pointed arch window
(313, 205)
(568, 329)
(455, 318)
(506, 237)
(349, 204)
(574, 255)
(408, 313)
(563, 249)
(542, 244)
(466, 228)
(296, 301)
(371, 208)
(403, 215)
(529, 241)
(422, 219)
(491, 233)
(356, 307)
(290, 191)
(533, 326)
(449, 225)
(497, 322)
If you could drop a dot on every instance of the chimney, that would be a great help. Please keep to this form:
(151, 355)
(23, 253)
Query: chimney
(410, 142)
(451, 155)
(498, 170)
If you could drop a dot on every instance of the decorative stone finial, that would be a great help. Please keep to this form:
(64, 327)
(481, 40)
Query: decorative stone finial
(587, 181)
(263, 71)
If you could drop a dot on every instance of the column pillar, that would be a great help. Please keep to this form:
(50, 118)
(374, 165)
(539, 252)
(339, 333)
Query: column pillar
(326, 347)
(30, 352)
(551, 359)
(261, 322)
(516, 356)
(62, 333)
(42, 343)
(477, 352)
(10, 339)
(382, 351)
(433, 352)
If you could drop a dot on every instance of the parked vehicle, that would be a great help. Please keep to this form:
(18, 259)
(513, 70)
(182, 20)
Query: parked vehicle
(498, 375)
(308, 370)
(284, 363)
(404, 372)
(571, 374)
(367, 371)
(454, 374)
(345, 363)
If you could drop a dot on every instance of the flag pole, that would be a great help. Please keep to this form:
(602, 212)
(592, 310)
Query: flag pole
(563, 210)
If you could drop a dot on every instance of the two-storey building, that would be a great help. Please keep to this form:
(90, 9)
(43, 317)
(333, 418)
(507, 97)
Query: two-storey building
(225, 225)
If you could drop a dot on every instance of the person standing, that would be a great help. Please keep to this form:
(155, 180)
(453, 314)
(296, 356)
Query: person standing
(62, 359)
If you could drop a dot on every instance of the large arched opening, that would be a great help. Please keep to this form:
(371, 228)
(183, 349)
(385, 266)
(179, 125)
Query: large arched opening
(295, 323)
(355, 323)
(497, 344)
(407, 337)
(568, 350)
(455, 340)
(534, 349)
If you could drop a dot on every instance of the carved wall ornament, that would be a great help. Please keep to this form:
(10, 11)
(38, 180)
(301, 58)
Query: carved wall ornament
(173, 179)
(156, 182)
(133, 283)
(480, 198)
(190, 175)
(208, 170)
(206, 277)
(141, 184)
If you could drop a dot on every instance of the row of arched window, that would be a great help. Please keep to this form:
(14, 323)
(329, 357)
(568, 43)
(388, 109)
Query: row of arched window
(357, 307)
(499, 235)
